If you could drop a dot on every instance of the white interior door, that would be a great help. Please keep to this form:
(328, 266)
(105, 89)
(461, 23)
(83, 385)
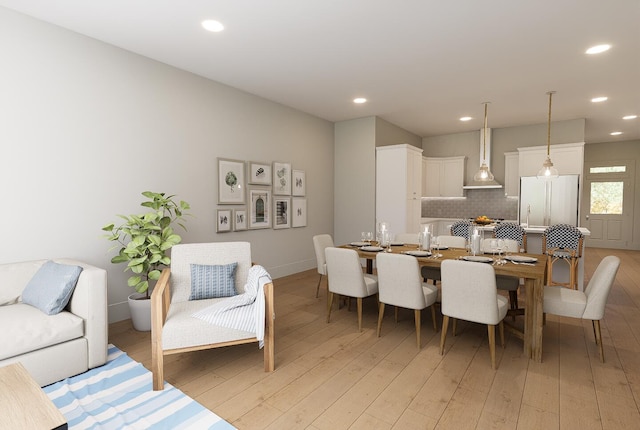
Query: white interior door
(608, 204)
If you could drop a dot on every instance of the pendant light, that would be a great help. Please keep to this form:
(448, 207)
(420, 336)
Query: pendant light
(548, 171)
(484, 174)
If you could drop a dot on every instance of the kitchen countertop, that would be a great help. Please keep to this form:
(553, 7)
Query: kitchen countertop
(532, 229)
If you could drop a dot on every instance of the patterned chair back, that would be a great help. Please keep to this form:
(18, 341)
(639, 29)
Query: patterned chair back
(513, 231)
(461, 228)
(562, 236)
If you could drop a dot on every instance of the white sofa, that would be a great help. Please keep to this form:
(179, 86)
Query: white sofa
(53, 347)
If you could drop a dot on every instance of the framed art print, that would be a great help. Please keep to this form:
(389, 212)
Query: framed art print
(299, 183)
(259, 173)
(231, 181)
(260, 204)
(298, 212)
(281, 179)
(281, 212)
(240, 219)
(224, 220)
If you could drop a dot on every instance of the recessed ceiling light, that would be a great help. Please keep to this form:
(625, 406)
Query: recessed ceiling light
(630, 117)
(359, 100)
(615, 133)
(599, 99)
(466, 118)
(212, 25)
(598, 49)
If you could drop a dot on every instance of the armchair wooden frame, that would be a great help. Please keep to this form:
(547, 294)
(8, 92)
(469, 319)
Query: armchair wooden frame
(160, 301)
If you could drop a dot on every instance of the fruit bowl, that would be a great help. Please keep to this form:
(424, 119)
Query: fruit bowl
(483, 220)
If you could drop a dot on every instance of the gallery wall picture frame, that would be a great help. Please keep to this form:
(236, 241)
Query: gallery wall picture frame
(231, 182)
(281, 212)
(260, 208)
(298, 183)
(281, 178)
(259, 173)
(224, 220)
(239, 219)
(299, 212)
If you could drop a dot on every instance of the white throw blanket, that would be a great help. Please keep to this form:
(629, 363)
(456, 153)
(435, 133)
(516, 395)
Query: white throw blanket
(244, 311)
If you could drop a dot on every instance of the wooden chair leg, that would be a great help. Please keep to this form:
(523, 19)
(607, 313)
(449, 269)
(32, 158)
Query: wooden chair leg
(359, 304)
(595, 335)
(513, 303)
(491, 329)
(380, 316)
(455, 326)
(501, 329)
(416, 314)
(596, 324)
(433, 317)
(318, 287)
(329, 303)
(443, 335)
(396, 313)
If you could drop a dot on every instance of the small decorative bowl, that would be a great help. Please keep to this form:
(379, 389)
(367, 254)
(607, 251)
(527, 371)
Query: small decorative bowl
(482, 221)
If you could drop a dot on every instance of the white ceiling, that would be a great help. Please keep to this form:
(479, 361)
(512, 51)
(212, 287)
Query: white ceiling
(421, 63)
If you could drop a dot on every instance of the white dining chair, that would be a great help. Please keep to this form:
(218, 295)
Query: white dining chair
(320, 242)
(588, 305)
(447, 241)
(406, 238)
(469, 293)
(399, 285)
(345, 277)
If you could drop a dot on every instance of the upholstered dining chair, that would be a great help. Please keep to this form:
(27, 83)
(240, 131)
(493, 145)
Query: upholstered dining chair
(588, 305)
(469, 293)
(203, 275)
(562, 242)
(433, 273)
(505, 282)
(461, 228)
(407, 238)
(345, 277)
(399, 285)
(320, 242)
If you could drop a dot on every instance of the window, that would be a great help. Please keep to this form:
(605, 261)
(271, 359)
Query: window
(608, 169)
(606, 197)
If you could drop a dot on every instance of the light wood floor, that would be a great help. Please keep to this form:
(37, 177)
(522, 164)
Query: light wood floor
(330, 376)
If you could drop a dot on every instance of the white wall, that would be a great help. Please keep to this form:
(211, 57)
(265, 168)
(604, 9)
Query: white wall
(86, 127)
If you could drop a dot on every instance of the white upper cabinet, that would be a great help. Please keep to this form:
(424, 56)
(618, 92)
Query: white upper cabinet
(443, 176)
(511, 174)
(568, 158)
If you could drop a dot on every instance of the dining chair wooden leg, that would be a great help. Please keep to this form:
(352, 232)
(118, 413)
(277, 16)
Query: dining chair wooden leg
(596, 324)
(416, 314)
(491, 329)
(513, 303)
(359, 305)
(433, 317)
(329, 303)
(396, 313)
(318, 287)
(595, 335)
(501, 328)
(380, 316)
(454, 326)
(443, 335)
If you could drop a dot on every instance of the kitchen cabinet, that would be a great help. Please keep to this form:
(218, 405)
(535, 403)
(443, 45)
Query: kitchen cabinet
(443, 176)
(568, 158)
(511, 174)
(399, 187)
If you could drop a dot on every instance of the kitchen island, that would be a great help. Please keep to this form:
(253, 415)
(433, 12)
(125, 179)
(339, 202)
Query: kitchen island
(534, 244)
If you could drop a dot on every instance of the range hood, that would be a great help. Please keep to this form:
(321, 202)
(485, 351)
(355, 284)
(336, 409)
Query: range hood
(483, 185)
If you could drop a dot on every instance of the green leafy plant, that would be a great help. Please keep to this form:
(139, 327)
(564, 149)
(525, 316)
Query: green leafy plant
(145, 239)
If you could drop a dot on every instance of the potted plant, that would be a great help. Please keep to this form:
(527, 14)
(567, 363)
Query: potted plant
(144, 242)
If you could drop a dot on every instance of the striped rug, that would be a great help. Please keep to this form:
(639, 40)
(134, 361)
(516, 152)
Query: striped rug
(119, 395)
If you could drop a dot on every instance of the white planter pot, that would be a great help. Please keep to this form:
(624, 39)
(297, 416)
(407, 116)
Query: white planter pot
(140, 309)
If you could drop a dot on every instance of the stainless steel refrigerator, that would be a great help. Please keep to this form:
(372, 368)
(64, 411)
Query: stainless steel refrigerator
(544, 203)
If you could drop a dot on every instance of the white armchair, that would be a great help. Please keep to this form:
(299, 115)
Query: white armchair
(589, 304)
(173, 328)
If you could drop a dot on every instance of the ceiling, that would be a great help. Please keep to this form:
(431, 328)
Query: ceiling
(422, 64)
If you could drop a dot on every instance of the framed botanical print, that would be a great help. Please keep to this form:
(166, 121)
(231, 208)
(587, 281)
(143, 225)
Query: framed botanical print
(240, 219)
(259, 173)
(281, 179)
(298, 212)
(299, 183)
(231, 181)
(224, 220)
(281, 212)
(260, 208)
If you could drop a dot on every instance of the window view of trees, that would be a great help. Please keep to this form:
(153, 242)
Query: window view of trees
(606, 197)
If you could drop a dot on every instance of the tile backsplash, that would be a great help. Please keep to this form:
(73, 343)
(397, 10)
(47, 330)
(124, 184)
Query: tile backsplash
(489, 202)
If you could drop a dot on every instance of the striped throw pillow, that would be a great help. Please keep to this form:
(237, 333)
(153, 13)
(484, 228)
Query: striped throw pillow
(215, 281)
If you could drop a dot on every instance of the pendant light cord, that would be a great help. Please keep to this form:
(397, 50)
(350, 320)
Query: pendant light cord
(549, 124)
(484, 141)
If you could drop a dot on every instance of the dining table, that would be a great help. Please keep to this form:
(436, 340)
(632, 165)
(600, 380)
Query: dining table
(533, 273)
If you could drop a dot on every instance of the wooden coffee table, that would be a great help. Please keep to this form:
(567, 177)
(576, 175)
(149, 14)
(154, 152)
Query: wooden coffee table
(23, 404)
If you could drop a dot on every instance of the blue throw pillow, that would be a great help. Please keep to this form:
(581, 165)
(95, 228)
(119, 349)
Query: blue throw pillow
(51, 287)
(211, 282)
